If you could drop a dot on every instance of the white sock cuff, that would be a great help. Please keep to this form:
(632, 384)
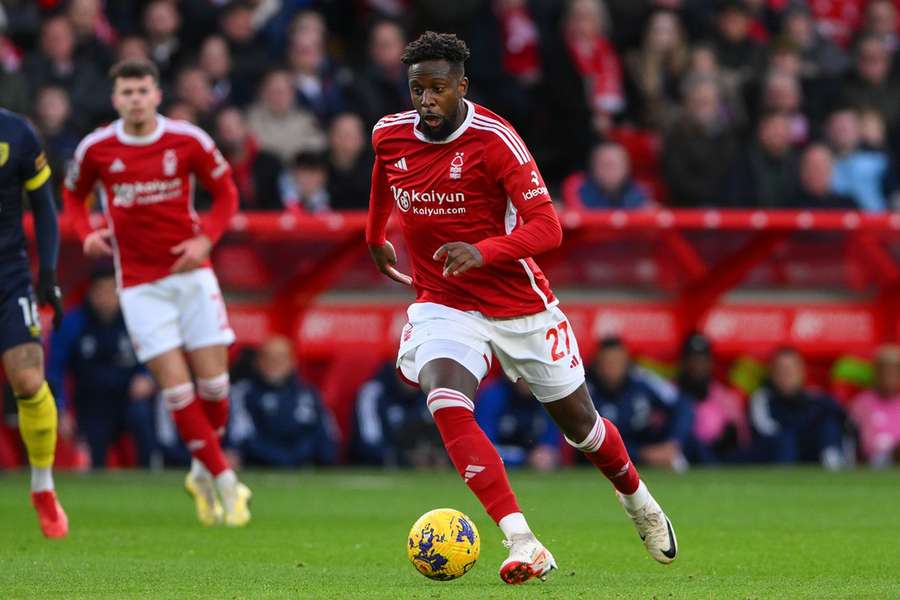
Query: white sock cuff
(178, 396)
(445, 398)
(513, 524)
(214, 388)
(594, 439)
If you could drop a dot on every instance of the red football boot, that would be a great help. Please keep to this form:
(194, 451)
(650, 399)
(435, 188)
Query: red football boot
(52, 517)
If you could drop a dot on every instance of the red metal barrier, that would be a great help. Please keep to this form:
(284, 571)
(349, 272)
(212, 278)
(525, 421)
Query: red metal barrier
(826, 282)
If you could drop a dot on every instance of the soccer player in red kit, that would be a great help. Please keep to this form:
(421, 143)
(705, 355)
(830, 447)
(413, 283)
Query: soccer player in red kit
(170, 297)
(474, 210)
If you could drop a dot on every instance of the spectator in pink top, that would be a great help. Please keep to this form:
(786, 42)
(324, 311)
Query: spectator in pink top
(721, 433)
(876, 412)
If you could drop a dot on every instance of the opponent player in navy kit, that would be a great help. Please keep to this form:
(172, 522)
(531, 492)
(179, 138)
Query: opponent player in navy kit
(23, 165)
(474, 211)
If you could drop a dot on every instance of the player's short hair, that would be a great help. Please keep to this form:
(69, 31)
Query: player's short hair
(134, 69)
(436, 46)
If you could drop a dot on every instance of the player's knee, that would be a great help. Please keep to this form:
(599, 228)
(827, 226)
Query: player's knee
(214, 388)
(178, 396)
(25, 383)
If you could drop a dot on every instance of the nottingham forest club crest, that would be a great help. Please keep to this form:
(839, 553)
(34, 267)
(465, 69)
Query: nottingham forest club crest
(170, 163)
(456, 166)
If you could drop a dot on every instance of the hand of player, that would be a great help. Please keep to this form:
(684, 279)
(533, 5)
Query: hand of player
(194, 253)
(96, 244)
(459, 257)
(385, 258)
(48, 292)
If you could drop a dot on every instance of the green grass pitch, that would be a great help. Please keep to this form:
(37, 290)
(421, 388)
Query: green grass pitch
(743, 534)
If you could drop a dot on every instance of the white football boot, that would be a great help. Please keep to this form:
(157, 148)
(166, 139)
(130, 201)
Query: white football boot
(655, 530)
(236, 504)
(202, 489)
(527, 559)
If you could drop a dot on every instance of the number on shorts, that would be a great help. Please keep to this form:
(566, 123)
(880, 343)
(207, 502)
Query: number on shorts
(555, 351)
(29, 312)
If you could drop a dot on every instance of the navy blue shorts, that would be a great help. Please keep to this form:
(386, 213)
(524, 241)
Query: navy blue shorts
(19, 319)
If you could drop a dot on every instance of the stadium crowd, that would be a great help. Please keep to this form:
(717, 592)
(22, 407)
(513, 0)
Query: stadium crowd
(624, 103)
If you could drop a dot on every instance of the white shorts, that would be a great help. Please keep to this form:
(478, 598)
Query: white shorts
(182, 310)
(539, 348)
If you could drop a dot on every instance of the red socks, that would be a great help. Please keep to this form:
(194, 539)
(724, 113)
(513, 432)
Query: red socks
(214, 394)
(606, 450)
(194, 428)
(473, 455)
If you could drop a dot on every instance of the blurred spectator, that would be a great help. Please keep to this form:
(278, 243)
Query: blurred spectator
(162, 22)
(249, 58)
(740, 56)
(132, 47)
(255, 171)
(595, 59)
(837, 19)
(182, 111)
(280, 126)
(876, 412)
(783, 93)
(656, 68)
(608, 183)
(278, 420)
(392, 425)
(111, 392)
(880, 20)
(304, 186)
(870, 85)
(94, 36)
(55, 64)
(318, 82)
(699, 147)
(863, 175)
(721, 432)
(520, 39)
(704, 64)
(765, 175)
(382, 88)
(518, 425)
(654, 420)
(13, 86)
(52, 118)
(792, 423)
(820, 57)
(192, 87)
(349, 164)
(816, 181)
(215, 62)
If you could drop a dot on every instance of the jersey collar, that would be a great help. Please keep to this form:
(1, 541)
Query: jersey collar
(470, 114)
(141, 140)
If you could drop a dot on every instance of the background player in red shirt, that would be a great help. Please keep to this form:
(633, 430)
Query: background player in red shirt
(474, 210)
(170, 297)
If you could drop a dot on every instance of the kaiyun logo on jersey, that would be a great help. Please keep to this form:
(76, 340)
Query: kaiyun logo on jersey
(406, 198)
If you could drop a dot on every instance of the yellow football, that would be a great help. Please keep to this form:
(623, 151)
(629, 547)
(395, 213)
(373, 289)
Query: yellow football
(443, 544)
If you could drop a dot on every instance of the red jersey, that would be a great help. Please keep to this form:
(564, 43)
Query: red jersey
(480, 186)
(148, 192)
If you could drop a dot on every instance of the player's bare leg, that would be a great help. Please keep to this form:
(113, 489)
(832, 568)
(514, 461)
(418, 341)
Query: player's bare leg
(24, 367)
(174, 378)
(210, 366)
(599, 440)
(451, 388)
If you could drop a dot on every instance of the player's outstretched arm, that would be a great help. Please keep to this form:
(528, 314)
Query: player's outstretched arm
(46, 229)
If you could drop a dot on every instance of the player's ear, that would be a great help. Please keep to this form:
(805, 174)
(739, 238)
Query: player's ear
(463, 86)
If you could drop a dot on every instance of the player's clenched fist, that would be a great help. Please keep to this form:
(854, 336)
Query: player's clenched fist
(459, 257)
(385, 258)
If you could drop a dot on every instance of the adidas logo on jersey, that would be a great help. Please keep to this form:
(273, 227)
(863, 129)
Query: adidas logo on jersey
(472, 471)
(401, 164)
(117, 166)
